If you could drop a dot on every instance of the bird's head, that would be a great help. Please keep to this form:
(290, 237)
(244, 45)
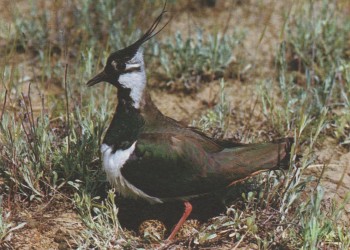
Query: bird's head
(124, 62)
(125, 68)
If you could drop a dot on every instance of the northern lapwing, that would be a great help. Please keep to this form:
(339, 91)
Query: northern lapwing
(151, 156)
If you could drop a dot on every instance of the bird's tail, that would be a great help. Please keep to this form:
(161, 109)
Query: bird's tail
(244, 161)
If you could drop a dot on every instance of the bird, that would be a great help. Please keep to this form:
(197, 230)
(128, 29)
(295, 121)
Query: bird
(148, 155)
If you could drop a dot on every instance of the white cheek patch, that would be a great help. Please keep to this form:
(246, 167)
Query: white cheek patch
(134, 78)
(136, 82)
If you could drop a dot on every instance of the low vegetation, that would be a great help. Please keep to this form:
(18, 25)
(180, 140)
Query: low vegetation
(51, 125)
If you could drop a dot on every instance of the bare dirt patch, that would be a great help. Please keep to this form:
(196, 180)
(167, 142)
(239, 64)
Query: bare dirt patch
(49, 226)
(333, 166)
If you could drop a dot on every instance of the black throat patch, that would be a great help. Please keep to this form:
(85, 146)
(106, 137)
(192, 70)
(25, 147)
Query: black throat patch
(126, 124)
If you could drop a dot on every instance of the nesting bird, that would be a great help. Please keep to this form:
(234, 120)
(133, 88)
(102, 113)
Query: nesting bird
(151, 156)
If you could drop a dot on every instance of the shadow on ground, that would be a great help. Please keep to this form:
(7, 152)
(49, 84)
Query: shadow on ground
(133, 212)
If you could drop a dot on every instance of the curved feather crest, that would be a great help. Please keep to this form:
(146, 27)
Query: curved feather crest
(130, 51)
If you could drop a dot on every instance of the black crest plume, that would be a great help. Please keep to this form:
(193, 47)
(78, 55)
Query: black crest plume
(149, 33)
(130, 51)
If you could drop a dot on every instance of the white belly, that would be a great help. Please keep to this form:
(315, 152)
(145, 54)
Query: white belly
(112, 164)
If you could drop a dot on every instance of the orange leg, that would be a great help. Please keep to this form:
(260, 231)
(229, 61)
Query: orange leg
(188, 210)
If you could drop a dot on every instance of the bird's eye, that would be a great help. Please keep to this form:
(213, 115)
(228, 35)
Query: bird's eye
(117, 66)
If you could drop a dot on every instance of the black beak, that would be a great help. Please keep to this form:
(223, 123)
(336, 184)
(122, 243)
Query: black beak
(102, 76)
